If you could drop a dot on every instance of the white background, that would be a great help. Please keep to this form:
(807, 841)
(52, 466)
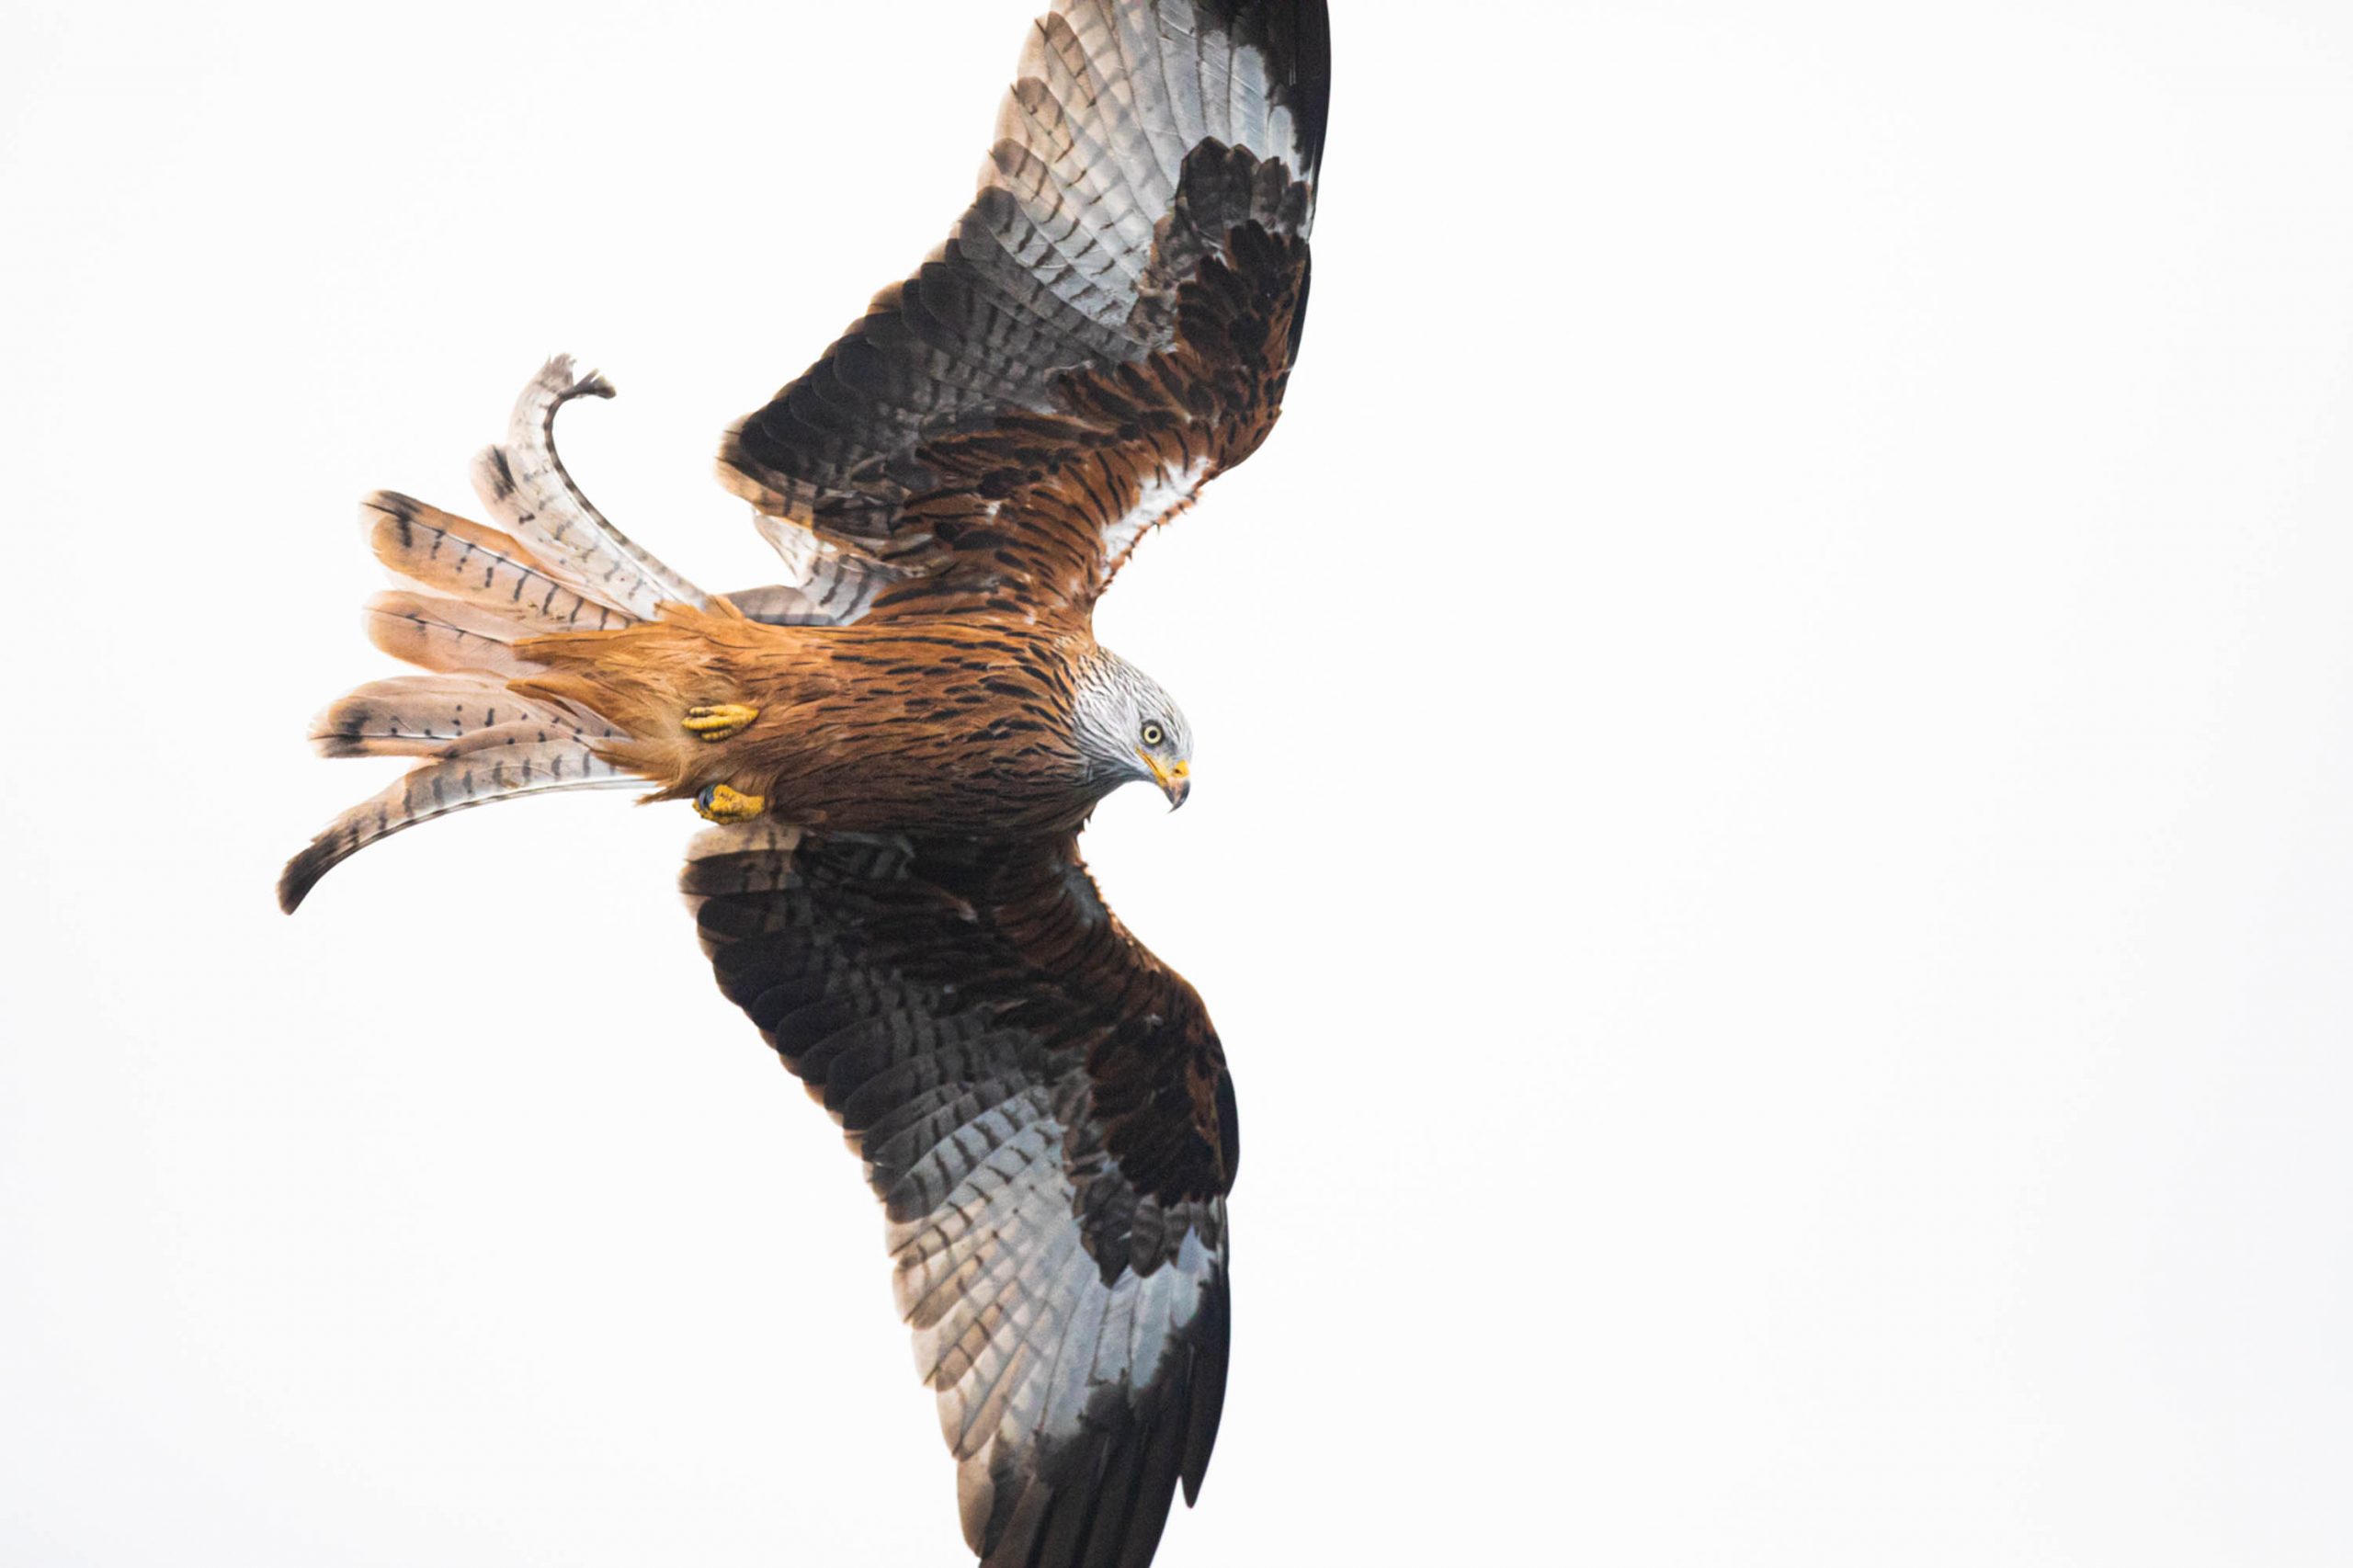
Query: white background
(1771, 848)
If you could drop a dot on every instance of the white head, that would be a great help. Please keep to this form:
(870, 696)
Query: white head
(1128, 728)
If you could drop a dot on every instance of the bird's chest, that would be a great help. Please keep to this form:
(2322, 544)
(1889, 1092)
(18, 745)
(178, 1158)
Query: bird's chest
(957, 735)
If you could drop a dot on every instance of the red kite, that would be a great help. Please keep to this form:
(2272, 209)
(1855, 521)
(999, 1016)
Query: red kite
(903, 741)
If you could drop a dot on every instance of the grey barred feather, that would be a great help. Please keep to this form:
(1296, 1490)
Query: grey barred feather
(527, 487)
(824, 585)
(779, 603)
(522, 758)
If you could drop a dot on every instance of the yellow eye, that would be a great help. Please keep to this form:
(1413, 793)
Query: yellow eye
(1154, 735)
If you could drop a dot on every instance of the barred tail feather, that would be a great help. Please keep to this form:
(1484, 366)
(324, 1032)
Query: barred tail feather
(420, 715)
(475, 593)
(448, 635)
(464, 560)
(498, 764)
(526, 486)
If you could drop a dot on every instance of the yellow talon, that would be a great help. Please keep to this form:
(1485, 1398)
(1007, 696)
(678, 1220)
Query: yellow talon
(719, 803)
(721, 721)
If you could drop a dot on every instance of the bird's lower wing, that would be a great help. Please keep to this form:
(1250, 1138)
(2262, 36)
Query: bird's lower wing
(1044, 1113)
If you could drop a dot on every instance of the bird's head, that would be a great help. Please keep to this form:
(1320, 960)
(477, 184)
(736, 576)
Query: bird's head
(1129, 728)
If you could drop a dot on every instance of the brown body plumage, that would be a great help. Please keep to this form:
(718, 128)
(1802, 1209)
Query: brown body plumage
(905, 736)
(930, 726)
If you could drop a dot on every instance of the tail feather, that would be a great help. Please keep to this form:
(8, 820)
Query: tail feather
(420, 715)
(469, 561)
(479, 591)
(526, 486)
(448, 635)
(498, 764)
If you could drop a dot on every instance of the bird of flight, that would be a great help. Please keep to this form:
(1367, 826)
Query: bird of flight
(902, 740)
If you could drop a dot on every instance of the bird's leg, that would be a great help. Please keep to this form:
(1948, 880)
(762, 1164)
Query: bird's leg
(717, 802)
(720, 721)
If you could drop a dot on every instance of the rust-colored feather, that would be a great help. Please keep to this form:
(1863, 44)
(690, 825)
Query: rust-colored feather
(421, 715)
(459, 558)
(859, 725)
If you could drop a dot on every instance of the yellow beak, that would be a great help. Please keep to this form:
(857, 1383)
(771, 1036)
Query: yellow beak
(1175, 782)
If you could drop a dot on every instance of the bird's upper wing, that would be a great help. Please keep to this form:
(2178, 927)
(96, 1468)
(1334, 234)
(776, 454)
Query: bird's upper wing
(1044, 1110)
(1111, 324)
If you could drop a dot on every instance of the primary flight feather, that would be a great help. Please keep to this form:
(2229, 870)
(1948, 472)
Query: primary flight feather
(903, 740)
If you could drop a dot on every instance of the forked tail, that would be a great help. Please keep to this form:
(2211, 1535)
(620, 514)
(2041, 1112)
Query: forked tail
(556, 566)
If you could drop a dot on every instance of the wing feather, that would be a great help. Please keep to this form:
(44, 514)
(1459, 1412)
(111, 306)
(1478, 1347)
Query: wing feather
(1102, 202)
(1019, 1076)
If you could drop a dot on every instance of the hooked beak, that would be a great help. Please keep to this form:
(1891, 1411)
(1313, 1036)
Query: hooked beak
(1175, 782)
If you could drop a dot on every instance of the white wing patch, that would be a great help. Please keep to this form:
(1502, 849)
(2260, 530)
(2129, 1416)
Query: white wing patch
(1015, 1330)
(1163, 495)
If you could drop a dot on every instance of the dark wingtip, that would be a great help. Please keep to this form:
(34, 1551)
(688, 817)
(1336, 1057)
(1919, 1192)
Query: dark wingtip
(1206, 1388)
